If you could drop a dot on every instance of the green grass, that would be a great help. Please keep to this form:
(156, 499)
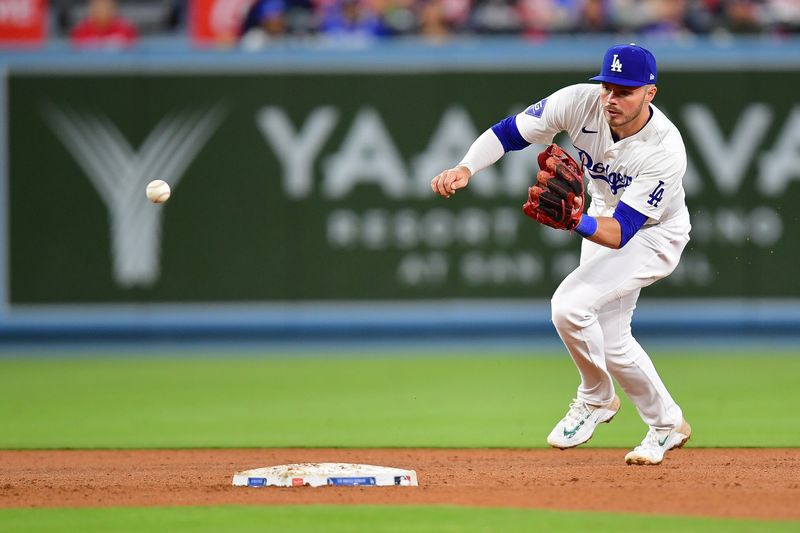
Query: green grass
(479, 400)
(355, 519)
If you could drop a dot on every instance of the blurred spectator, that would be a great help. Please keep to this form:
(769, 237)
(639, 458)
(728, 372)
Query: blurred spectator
(784, 15)
(542, 17)
(351, 20)
(103, 27)
(593, 17)
(264, 21)
(496, 17)
(743, 16)
(628, 15)
(700, 16)
(174, 16)
(149, 17)
(432, 21)
(666, 18)
(456, 14)
(405, 17)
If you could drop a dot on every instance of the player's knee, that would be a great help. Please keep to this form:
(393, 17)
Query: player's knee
(567, 314)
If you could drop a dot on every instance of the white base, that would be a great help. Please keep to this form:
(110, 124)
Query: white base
(321, 474)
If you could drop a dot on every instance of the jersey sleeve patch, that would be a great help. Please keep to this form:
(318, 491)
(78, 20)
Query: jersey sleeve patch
(657, 195)
(536, 109)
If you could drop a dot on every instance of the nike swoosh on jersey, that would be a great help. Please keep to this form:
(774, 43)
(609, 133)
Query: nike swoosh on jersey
(584, 130)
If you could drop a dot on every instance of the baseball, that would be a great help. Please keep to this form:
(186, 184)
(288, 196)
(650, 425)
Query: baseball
(158, 191)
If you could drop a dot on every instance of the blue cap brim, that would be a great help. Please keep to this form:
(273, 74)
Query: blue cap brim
(619, 81)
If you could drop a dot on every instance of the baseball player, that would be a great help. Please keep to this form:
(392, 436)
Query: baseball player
(633, 234)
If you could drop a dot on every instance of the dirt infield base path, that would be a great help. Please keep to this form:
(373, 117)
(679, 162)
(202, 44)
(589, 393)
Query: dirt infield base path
(747, 483)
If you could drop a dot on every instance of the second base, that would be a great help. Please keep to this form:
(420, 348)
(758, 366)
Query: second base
(322, 474)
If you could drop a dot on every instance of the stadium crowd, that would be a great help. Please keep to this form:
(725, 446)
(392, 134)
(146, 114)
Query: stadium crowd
(120, 22)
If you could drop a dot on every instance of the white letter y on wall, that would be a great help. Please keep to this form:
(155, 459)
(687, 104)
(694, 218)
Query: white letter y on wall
(120, 174)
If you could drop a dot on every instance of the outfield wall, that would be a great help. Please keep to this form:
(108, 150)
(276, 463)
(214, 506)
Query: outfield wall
(302, 203)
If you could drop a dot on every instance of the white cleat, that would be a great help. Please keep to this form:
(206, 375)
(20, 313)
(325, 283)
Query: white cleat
(578, 425)
(657, 442)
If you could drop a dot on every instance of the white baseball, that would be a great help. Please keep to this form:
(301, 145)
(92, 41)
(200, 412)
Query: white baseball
(158, 191)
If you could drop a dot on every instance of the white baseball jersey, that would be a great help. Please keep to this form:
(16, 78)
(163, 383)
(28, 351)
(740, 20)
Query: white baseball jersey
(644, 170)
(593, 306)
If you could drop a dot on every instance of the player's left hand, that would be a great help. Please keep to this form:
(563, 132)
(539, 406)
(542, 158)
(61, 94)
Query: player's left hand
(556, 199)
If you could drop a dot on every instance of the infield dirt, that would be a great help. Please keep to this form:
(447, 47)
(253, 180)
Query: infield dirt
(746, 483)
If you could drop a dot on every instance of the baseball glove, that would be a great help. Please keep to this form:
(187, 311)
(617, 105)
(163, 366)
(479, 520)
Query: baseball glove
(556, 199)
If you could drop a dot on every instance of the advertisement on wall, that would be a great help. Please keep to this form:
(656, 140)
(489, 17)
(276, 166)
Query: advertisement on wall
(316, 187)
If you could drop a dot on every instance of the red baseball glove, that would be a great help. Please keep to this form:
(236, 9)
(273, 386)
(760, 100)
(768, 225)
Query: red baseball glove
(556, 199)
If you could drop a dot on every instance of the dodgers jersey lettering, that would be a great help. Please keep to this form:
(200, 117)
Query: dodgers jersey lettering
(644, 170)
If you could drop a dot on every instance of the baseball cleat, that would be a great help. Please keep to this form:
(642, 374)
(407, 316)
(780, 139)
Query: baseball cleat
(578, 425)
(656, 443)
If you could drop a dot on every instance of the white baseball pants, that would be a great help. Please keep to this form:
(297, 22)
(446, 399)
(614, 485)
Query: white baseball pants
(592, 311)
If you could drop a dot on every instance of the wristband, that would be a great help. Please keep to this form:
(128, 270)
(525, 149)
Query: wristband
(587, 226)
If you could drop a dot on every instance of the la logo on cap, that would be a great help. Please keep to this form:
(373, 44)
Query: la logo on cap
(628, 65)
(616, 64)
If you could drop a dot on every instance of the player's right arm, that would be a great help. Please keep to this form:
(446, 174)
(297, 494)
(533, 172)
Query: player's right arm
(485, 151)
(539, 123)
(449, 181)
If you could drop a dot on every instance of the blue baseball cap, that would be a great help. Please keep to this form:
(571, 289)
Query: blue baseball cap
(629, 65)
